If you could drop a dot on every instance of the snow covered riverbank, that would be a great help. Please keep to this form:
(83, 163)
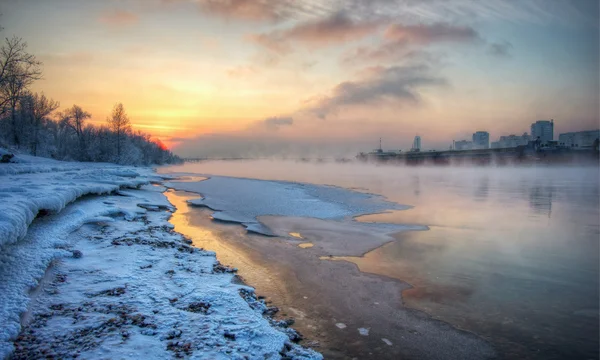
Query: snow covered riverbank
(104, 275)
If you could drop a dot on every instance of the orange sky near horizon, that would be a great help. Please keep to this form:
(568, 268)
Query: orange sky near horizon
(335, 72)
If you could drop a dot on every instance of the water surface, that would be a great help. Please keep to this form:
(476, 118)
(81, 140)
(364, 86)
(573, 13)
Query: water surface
(511, 253)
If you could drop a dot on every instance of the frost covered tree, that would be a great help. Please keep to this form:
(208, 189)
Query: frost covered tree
(27, 123)
(120, 125)
(41, 108)
(18, 70)
(74, 118)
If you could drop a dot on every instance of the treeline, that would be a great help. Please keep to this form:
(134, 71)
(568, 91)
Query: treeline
(31, 123)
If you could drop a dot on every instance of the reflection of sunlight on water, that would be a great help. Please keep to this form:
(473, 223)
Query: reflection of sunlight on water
(296, 235)
(305, 245)
(189, 222)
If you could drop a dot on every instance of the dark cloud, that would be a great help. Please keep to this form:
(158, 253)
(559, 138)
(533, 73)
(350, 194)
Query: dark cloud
(396, 84)
(432, 33)
(388, 51)
(334, 29)
(500, 49)
(402, 42)
(396, 53)
(275, 122)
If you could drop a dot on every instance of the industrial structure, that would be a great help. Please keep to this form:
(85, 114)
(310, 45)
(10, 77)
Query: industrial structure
(416, 144)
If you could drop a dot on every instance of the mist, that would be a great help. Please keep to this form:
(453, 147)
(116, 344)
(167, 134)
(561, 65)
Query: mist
(223, 146)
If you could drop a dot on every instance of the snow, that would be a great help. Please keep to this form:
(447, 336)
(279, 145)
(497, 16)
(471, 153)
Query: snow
(137, 290)
(244, 200)
(26, 187)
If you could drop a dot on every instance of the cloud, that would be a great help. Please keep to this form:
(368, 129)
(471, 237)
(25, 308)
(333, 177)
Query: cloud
(271, 42)
(392, 52)
(401, 40)
(410, 11)
(396, 84)
(500, 49)
(334, 29)
(245, 9)
(275, 122)
(257, 10)
(517, 11)
(432, 33)
(119, 18)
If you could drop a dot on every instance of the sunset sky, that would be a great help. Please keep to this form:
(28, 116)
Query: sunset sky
(233, 77)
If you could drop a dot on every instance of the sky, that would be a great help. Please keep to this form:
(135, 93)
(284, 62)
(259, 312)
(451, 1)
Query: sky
(220, 78)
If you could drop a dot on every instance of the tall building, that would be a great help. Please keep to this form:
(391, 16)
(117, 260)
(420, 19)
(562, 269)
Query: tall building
(481, 140)
(417, 143)
(543, 129)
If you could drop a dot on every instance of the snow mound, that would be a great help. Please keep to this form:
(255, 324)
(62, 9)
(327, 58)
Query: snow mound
(36, 187)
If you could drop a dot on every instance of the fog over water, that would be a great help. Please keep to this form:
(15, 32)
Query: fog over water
(511, 253)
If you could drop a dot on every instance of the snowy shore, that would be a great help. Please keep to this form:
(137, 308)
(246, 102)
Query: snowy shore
(91, 268)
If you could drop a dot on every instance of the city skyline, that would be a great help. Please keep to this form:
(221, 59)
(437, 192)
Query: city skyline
(229, 77)
(481, 137)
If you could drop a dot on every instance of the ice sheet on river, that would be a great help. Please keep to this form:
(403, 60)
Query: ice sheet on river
(244, 200)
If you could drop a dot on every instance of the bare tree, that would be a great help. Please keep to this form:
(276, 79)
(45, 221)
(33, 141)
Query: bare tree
(120, 125)
(42, 107)
(74, 119)
(18, 70)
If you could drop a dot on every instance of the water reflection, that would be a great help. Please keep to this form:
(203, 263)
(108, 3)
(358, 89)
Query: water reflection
(512, 254)
(481, 193)
(504, 271)
(540, 199)
(416, 185)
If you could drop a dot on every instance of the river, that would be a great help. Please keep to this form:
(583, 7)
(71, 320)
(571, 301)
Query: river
(511, 254)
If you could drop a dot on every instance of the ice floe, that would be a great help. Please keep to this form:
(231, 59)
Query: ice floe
(244, 200)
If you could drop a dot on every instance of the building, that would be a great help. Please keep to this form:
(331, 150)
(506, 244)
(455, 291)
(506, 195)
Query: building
(481, 140)
(543, 130)
(511, 141)
(579, 139)
(463, 145)
(417, 144)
